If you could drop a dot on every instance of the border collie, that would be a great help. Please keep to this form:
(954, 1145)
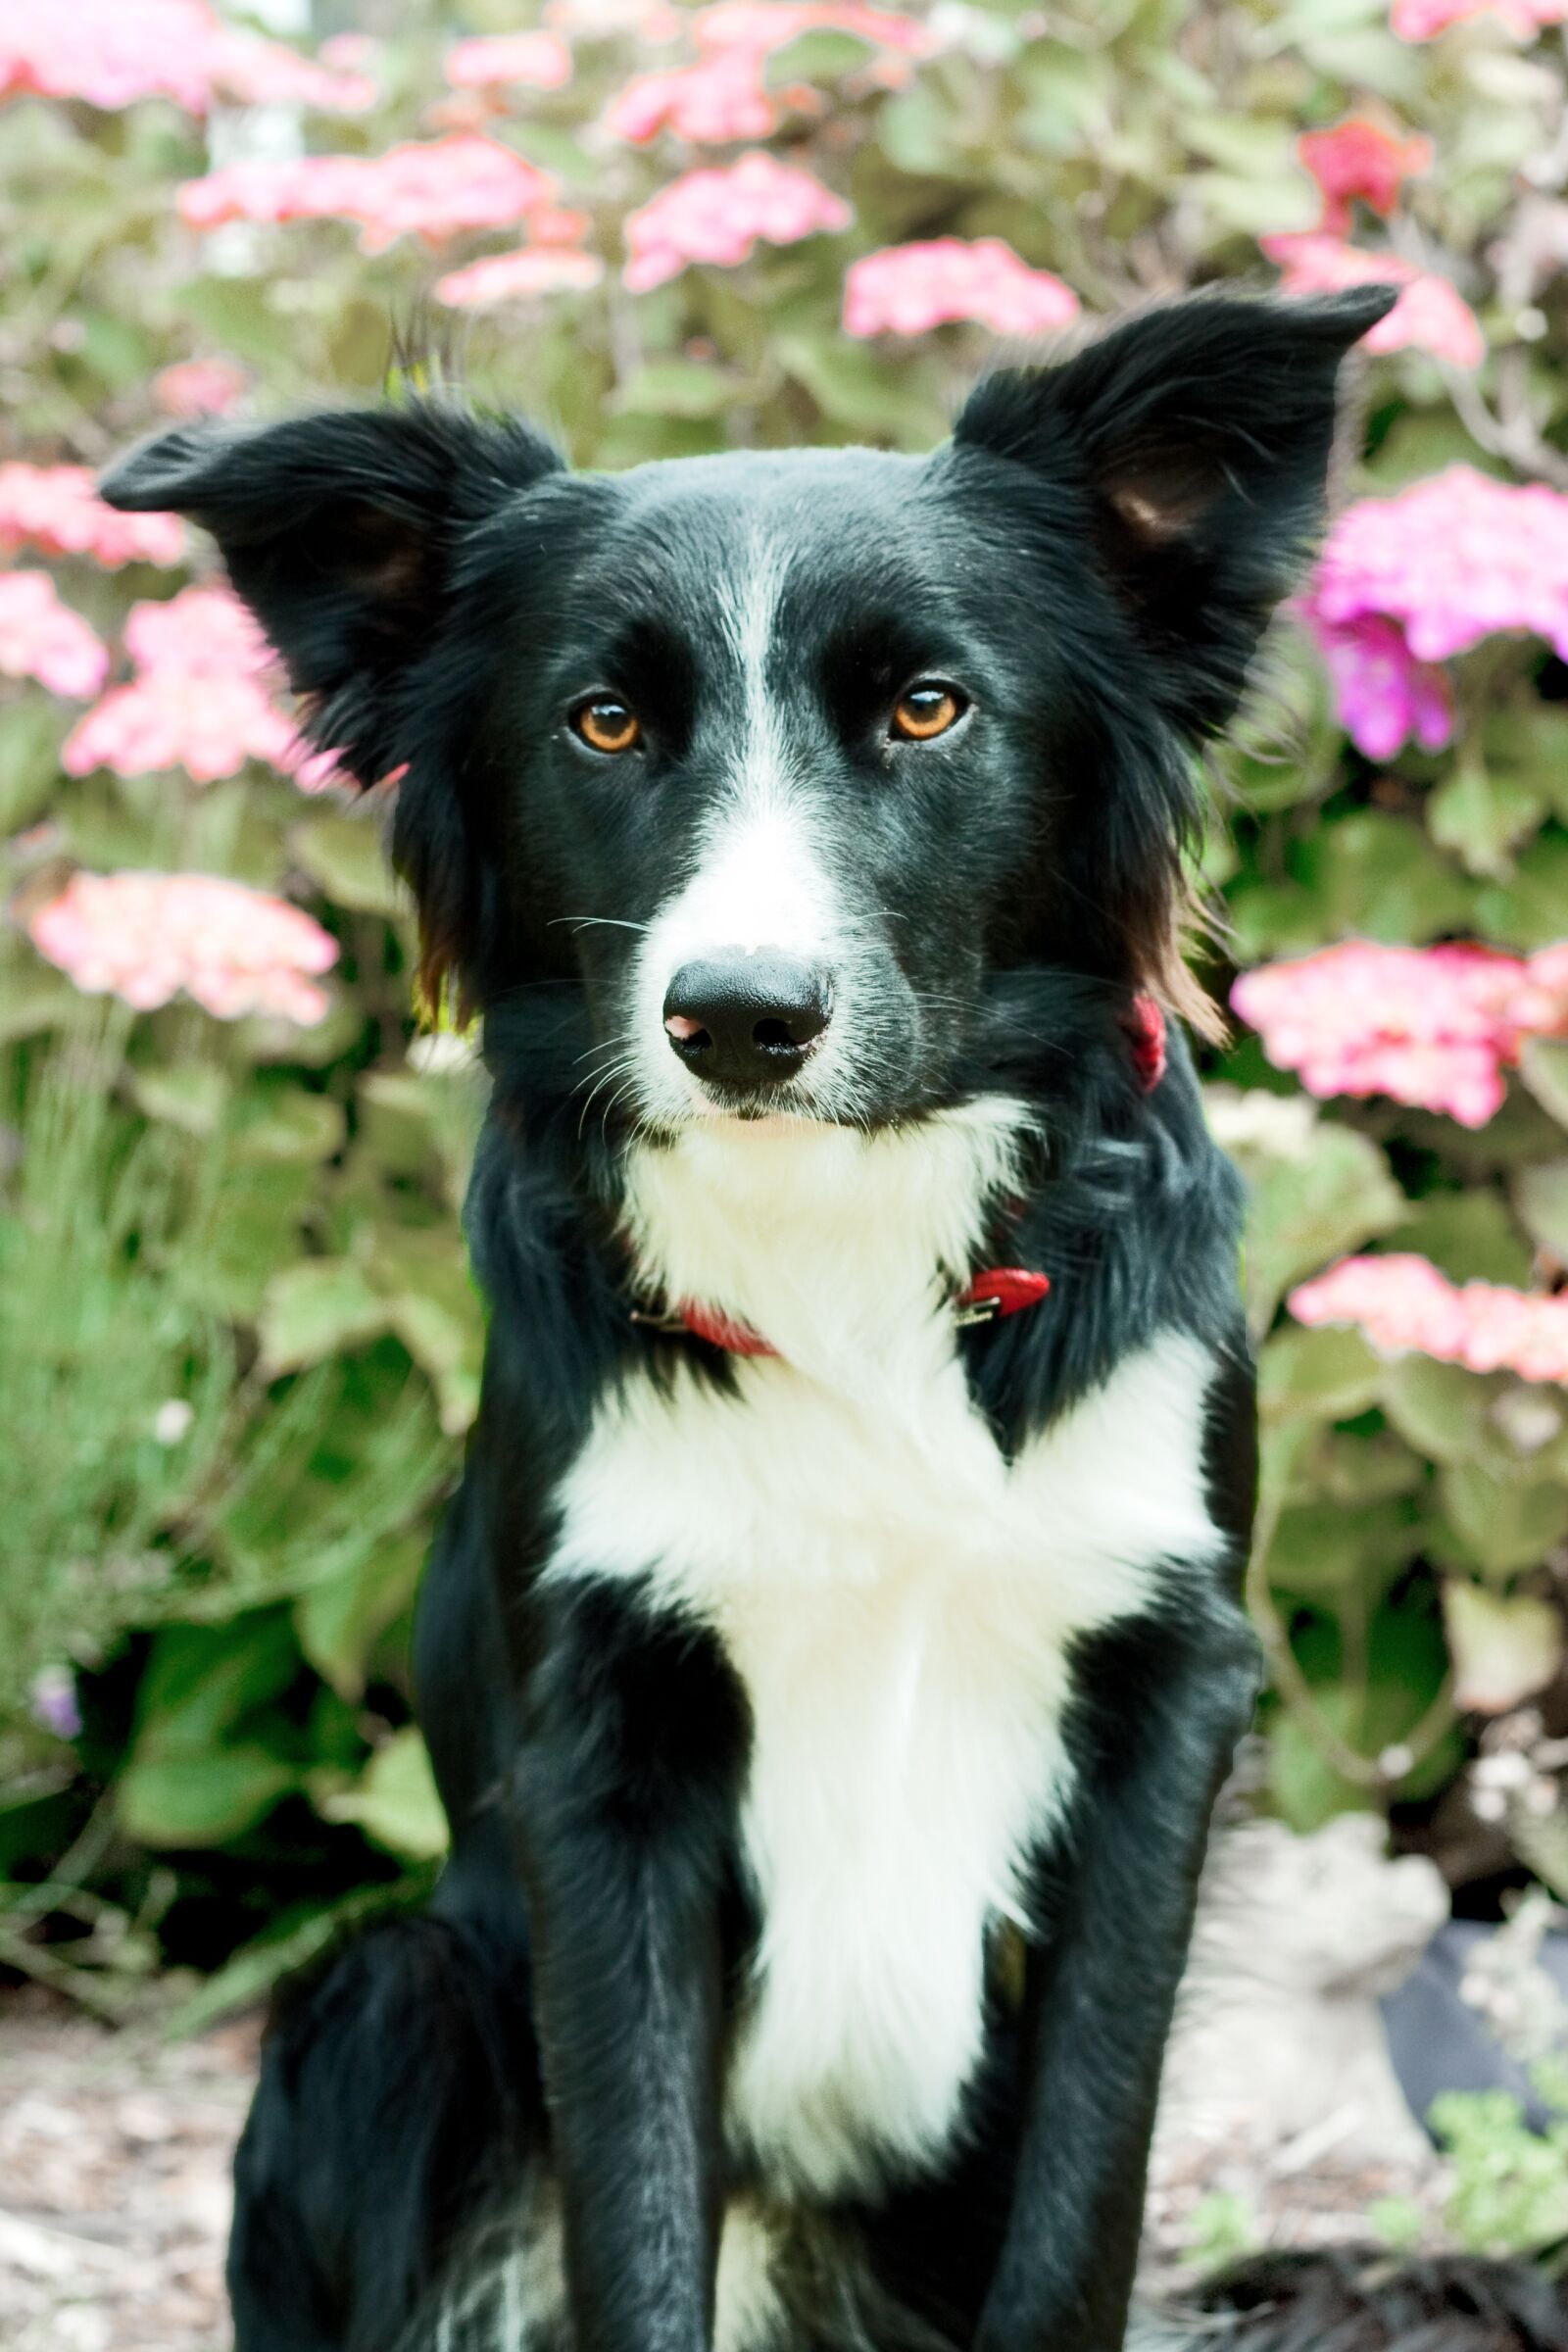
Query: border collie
(833, 1650)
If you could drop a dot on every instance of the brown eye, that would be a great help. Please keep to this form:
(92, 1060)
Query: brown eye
(607, 725)
(926, 711)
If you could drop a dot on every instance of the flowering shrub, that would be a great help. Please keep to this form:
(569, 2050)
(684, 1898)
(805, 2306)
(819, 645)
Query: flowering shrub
(237, 1342)
(148, 936)
(1431, 1026)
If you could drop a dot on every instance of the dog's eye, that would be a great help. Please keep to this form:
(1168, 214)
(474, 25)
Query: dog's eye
(607, 724)
(927, 710)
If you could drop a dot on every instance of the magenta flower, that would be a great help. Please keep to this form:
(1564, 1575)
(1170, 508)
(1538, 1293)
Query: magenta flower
(1435, 1027)
(109, 53)
(1402, 1302)
(1454, 559)
(1422, 19)
(429, 188)
(57, 510)
(718, 216)
(44, 639)
(522, 276)
(1383, 694)
(146, 937)
(541, 60)
(1428, 315)
(908, 289)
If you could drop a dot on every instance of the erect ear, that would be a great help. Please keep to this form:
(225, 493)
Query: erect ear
(1199, 435)
(342, 532)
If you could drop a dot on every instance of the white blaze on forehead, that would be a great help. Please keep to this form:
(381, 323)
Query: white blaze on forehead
(759, 877)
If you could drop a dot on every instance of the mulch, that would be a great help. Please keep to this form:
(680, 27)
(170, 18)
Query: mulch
(115, 2152)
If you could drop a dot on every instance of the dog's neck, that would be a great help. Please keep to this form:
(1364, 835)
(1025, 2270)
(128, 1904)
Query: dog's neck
(839, 1248)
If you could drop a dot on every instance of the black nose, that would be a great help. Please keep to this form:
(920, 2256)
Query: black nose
(745, 1019)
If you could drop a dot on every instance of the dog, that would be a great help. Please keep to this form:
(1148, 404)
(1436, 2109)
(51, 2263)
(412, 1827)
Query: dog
(832, 1652)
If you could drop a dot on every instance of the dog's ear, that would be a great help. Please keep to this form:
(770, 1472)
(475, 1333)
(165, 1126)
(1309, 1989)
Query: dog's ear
(341, 531)
(1193, 444)
(1201, 436)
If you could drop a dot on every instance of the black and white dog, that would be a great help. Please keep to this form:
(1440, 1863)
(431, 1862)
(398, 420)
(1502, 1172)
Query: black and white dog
(833, 1650)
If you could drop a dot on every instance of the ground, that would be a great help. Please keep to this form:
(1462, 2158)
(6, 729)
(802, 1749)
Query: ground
(115, 2152)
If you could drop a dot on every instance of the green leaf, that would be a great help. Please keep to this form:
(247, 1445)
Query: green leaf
(825, 56)
(1506, 1645)
(1527, 912)
(1376, 875)
(678, 388)
(1443, 1409)
(314, 1310)
(191, 1098)
(1470, 1235)
(203, 1798)
(855, 388)
(1540, 1199)
(341, 1620)
(287, 1123)
(30, 732)
(347, 857)
(1319, 1551)
(394, 1801)
(1544, 1067)
(1306, 1209)
(1505, 1523)
(1322, 1375)
(1482, 815)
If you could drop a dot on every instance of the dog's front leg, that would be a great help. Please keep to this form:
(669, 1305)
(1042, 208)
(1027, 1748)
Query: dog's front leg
(1163, 1709)
(626, 1794)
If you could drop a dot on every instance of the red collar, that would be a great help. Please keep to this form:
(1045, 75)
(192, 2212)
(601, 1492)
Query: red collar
(986, 1296)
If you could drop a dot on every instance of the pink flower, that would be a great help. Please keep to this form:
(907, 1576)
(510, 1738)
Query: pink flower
(1421, 19)
(113, 51)
(717, 216)
(1428, 315)
(1357, 158)
(41, 638)
(57, 510)
(522, 276)
(431, 188)
(542, 60)
(1402, 1302)
(906, 289)
(1454, 559)
(202, 700)
(1435, 1027)
(144, 937)
(199, 387)
(1383, 694)
(714, 104)
(53, 1703)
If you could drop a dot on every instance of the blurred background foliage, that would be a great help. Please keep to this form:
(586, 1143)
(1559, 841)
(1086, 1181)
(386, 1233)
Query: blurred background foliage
(238, 1348)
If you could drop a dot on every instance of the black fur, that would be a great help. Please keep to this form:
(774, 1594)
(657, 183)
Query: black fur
(1092, 557)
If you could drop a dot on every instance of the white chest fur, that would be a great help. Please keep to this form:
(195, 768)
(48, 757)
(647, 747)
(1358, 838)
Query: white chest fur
(897, 1602)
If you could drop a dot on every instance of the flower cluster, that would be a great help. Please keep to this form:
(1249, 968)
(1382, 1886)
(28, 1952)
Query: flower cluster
(541, 60)
(718, 216)
(1384, 694)
(199, 387)
(1454, 559)
(1422, 19)
(44, 639)
(726, 97)
(431, 188)
(112, 52)
(1428, 315)
(57, 510)
(1435, 1027)
(906, 289)
(144, 937)
(200, 700)
(1402, 1301)
(520, 276)
(1359, 160)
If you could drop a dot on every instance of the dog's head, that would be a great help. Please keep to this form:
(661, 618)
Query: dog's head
(782, 754)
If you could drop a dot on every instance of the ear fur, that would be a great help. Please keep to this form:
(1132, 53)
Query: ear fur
(1194, 441)
(1200, 434)
(341, 531)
